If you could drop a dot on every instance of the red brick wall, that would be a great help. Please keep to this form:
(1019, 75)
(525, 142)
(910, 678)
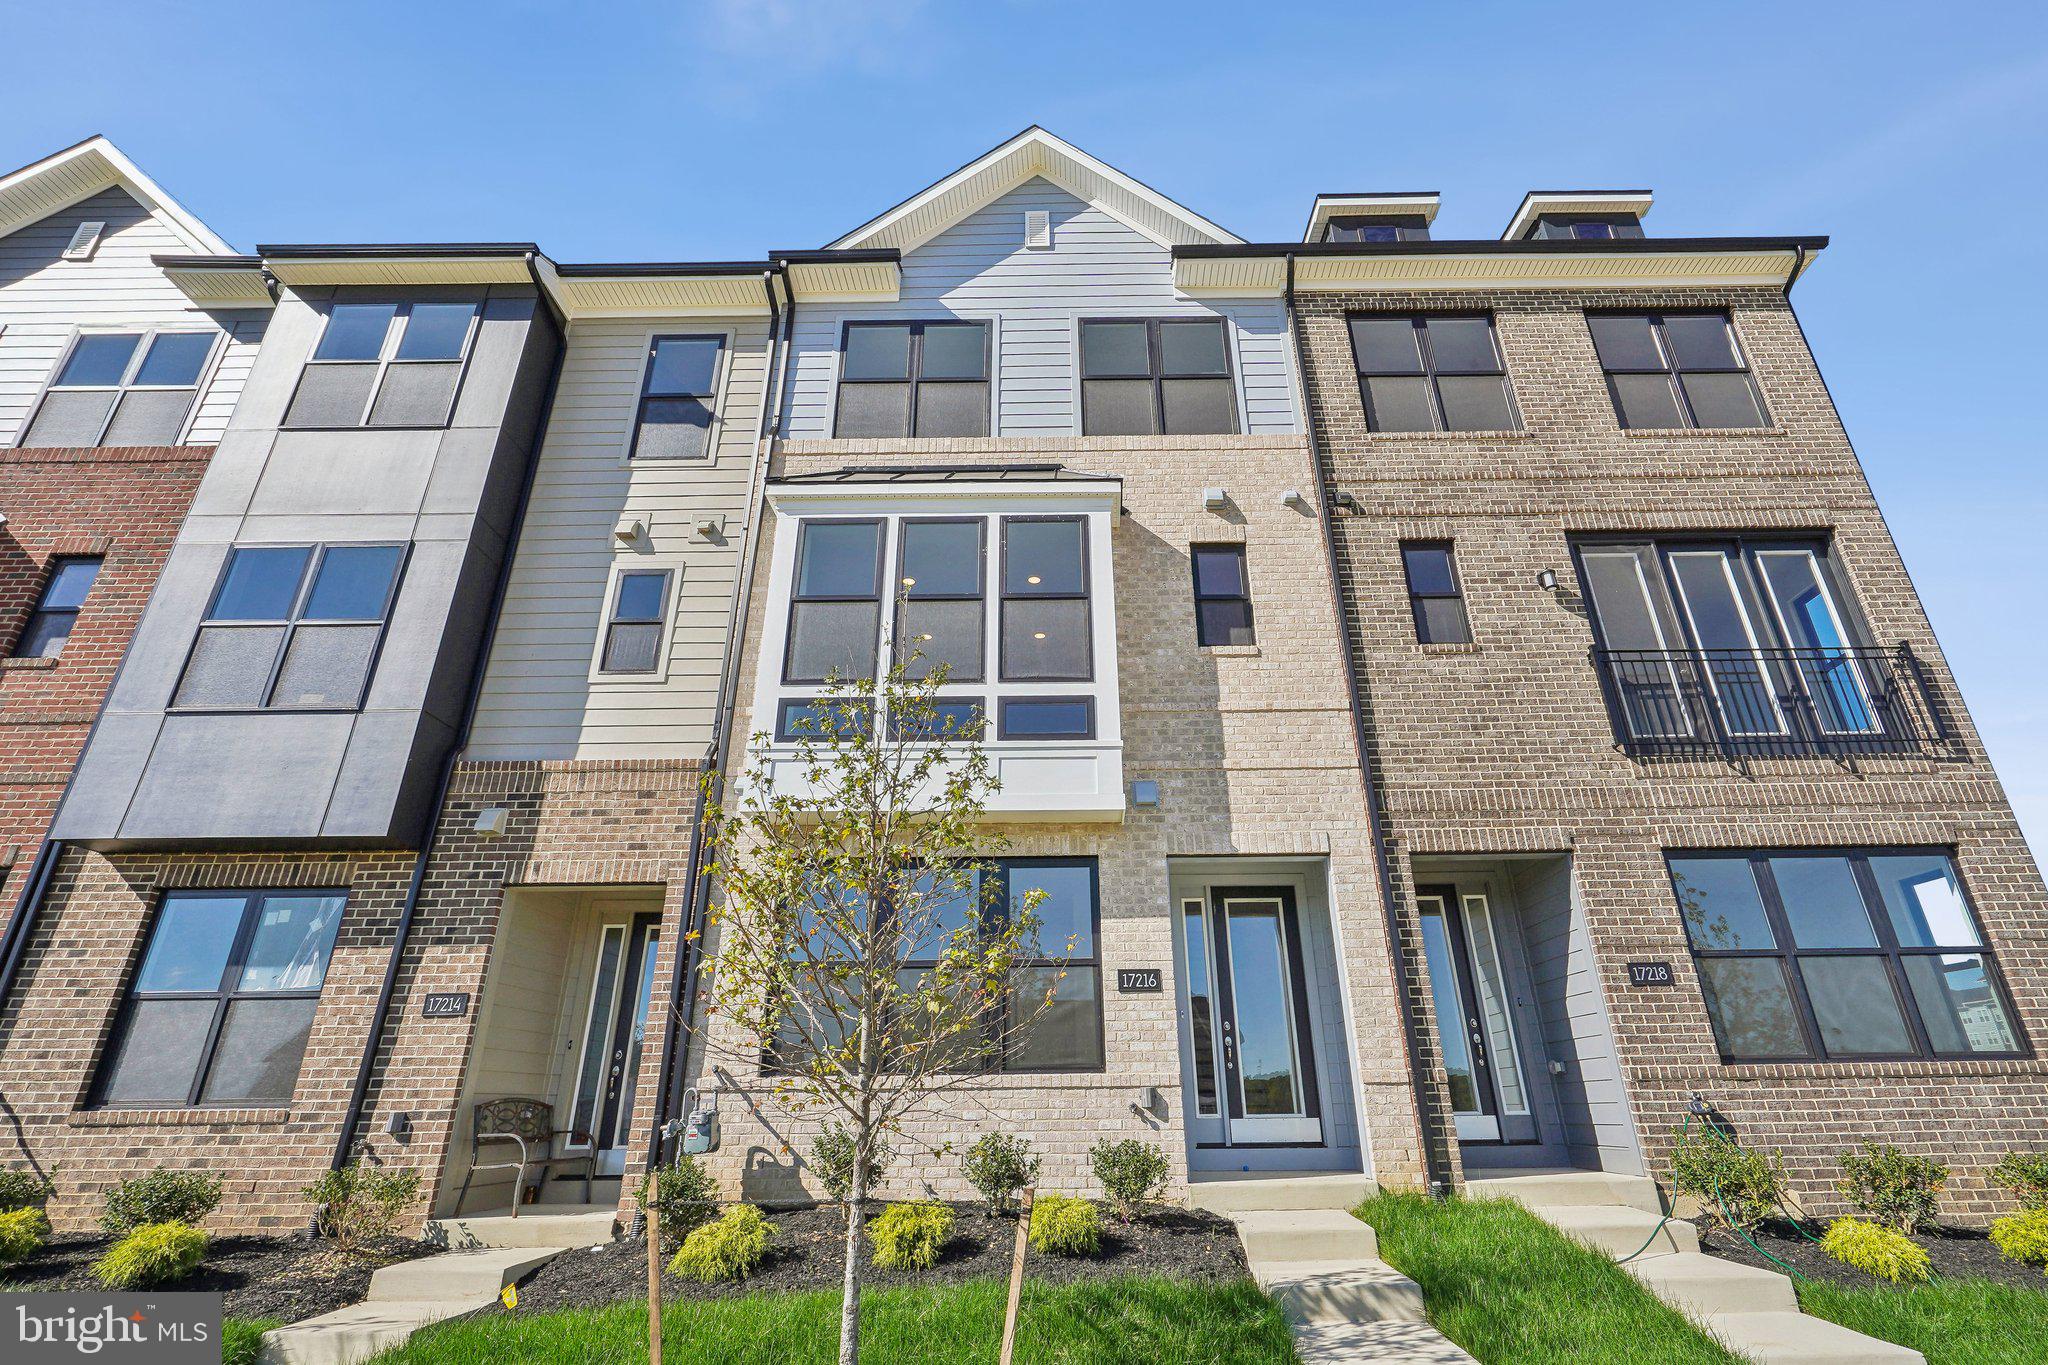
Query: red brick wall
(125, 504)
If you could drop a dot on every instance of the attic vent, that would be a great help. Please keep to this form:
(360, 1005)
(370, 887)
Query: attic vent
(1038, 229)
(84, 242)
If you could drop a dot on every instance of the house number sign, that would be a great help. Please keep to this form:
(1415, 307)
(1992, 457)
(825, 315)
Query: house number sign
(1138, 980)
(1642, 974)
(445, 1005)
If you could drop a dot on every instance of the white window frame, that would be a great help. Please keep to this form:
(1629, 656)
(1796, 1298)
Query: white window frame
(148, 332)
(622, 565)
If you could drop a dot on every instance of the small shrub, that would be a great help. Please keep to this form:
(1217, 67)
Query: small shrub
(684, 1195)
(22, 1234)
(2023, 1237)
(2026, 1175)
(832, 1159)
(1130, 1171)
(23, 1190)
(1875, 1250)
(160, 1197)
(911, 1236)
(1065, 1226)
(361, 1203)
(998, 1166)
(1897, 1190)
(153, 1253)
(1715, 1171)
(730, 1247)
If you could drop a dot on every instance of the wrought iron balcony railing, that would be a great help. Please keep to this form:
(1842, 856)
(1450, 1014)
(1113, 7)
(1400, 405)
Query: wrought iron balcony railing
(1763, 702)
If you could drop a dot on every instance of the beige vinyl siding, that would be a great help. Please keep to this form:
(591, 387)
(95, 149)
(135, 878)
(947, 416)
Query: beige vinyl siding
(45, 298)
(539, 697)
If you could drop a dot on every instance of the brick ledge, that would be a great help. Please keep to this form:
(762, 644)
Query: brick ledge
(177, 1118)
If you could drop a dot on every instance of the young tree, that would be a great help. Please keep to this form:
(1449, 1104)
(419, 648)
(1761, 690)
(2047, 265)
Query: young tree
(863, 852)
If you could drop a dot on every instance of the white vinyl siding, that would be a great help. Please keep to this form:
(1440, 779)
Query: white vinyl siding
(1097, 267)
(44, 299)
(539, 697)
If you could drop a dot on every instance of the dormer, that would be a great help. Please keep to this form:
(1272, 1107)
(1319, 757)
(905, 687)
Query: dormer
(1375, 217)
(1578, 215)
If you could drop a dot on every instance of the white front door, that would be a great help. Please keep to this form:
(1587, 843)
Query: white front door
(1253, 1053)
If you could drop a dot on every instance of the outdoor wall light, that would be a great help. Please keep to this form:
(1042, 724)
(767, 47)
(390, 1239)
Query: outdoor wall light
(1296, 499)
(1547, 580)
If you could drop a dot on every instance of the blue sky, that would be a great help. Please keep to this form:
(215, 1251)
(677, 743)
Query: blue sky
(1915, 135)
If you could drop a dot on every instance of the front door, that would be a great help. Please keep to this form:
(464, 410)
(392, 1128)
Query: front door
(1474, 1016)
(609, 1071)
(1254, 1056)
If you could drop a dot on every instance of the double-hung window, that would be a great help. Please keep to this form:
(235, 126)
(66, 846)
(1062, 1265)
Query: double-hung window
(1045, 614)
(1163, 377)
(122, 389)
(1431, 372)
(1436, 597)
(1841, 955)
(385, 365)
(1223, 596)
(1676, 370)
(48, 628)
(835, 608)
(633, 628)
(677, 397)
(223, 1004)
(292, 627)
(914, 379)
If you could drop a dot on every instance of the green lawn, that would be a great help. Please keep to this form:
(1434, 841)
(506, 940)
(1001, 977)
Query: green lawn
(1513, 1291)
(1136, 1319)
(241, 1339)
(1951, 1322)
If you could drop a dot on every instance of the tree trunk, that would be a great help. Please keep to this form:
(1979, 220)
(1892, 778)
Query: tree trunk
(849, 1302)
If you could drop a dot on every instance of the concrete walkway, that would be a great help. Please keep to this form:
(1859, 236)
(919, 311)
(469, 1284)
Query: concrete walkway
(1322, 1265)
(488, 1253)
(1753, 1311)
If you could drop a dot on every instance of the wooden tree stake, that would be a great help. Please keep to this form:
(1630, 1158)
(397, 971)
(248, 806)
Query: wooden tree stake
(653, 1284)
(1017, 1276)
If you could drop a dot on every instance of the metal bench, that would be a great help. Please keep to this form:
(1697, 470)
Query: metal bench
(530, 1125)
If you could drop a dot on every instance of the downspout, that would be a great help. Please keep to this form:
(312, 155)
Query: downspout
(679, 1028)
(1374, 818)
(367, 1065)
(1798, 268)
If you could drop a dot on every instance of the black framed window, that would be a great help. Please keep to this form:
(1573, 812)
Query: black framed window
(913, 379)
(1376, 227)
(835, 609)
(952, 718)
(130, 388)
(292, 627)
(1856, 954)
(1586, 227)
(678, 394)
(1436, 597)
(941, 603)
(1223, 596)
(1431, 372)
(385, 364)
(48, 628)
(1045, 625)
(1676, 370)
(1046, 718)
(822, 718)
(633, 627)
(1166, 377)
(220, 1010)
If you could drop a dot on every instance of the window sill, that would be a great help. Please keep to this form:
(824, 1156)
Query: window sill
(1693, 433)
(1863, 1072)
(1451, 649)
(179, 1117)
(28, 663)
(1230, 651)
(1450, 436)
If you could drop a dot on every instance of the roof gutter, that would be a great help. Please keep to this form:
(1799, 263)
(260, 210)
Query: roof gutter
(1375, 819)
(366, 1065)
(680, 1025)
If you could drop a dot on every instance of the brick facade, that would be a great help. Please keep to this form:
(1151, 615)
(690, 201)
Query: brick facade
(1505, 746)
(124, 504)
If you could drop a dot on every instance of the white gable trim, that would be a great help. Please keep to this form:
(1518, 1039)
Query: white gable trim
(58, 181)
(1034, 153)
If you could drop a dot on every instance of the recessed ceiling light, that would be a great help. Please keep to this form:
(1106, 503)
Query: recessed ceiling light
(910, 582)
(1038, 635)
(1032, 579)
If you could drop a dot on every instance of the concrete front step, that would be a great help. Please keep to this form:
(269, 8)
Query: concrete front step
(603, 1191)
(1566, 1189)
(1244, 1194)
(1348, 1291)
(1796, 1339)
(1356, 1343)
(349, 1335)
(539, 1225)
(1697, 1284)
(458, 1274)
(1620, 1231)
(1305, 1235)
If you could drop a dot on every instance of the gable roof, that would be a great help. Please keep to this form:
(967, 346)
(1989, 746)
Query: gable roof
(84, 169)
(1034, 153)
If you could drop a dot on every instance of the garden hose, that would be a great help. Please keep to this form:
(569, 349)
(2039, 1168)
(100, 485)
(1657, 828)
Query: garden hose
(1700, 1110)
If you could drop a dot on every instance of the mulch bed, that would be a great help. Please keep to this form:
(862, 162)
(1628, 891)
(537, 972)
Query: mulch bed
(808, 1253)
(287, 1278)
(1954, 1254)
